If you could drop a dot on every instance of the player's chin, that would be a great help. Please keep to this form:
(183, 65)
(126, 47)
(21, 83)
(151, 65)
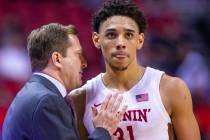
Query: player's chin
(120, 67)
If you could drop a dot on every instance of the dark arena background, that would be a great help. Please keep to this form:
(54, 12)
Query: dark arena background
(177, 42)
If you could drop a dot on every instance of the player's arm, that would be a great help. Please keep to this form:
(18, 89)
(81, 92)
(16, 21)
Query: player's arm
(181, 110)
(78, 98)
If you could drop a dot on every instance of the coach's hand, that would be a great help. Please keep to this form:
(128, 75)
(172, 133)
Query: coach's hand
(109, 115)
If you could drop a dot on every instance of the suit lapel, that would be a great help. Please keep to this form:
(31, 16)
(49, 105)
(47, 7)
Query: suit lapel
(44, 81)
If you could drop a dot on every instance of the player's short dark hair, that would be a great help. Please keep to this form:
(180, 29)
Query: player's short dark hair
(43, 41)
(119, 7)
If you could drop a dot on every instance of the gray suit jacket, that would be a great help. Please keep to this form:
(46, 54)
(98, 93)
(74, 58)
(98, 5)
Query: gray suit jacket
(39, 112)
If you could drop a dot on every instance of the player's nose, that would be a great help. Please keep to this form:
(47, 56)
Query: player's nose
(120, 44)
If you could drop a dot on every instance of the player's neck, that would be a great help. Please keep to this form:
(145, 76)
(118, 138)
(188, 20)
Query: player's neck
(123, 80)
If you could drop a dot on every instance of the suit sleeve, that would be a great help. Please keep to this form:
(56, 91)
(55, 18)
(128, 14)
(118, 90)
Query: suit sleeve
(100, 134)
(52, 120)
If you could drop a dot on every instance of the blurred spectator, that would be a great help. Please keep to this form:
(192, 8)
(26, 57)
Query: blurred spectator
(193, 68)
(189, 7)
(160, 53)
(14, 61)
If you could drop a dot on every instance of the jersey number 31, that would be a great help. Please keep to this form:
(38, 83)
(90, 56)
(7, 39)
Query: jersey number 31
(119, 132)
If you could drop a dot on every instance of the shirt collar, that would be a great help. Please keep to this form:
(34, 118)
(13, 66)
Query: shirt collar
(58, 84)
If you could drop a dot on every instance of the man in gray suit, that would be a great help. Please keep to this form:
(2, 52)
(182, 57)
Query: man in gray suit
(39, 111)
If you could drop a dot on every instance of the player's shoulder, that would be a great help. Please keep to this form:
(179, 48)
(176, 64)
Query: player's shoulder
(77, 98)
(175, 88)
(172, 83)
(78, 93)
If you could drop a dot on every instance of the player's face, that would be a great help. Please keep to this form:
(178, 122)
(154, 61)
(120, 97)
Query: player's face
(73, 64)
(119, 39)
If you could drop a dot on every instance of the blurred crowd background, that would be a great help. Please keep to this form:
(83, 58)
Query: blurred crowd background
(177, 42)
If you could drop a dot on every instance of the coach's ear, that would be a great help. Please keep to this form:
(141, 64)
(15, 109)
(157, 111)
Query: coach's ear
(96, 40)
(56, 58)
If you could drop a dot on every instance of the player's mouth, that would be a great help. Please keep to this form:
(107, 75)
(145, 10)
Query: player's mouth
(120, 55)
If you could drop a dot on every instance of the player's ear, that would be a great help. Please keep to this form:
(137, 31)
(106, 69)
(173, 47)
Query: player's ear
(56, 58)
(96, 40)
(140, 41)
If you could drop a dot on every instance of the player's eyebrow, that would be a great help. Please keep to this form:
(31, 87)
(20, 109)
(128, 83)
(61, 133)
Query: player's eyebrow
(130, 30)
(113, 29)
(110, 30)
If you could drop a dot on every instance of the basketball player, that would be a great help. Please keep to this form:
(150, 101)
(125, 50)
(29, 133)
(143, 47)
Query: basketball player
(154, 98)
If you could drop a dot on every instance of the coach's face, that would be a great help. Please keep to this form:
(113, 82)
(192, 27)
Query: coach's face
(73, 64)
